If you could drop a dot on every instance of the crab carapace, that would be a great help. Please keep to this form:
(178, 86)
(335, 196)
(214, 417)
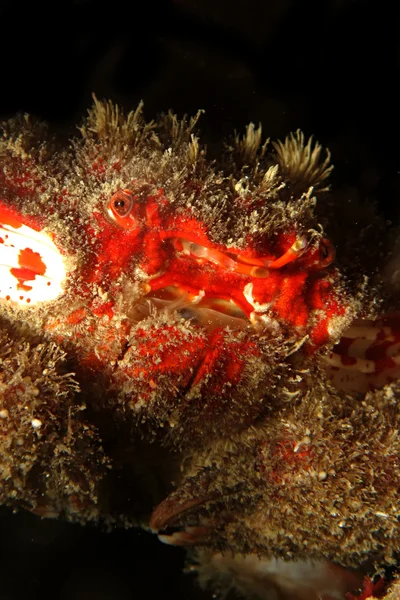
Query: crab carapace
(213, 336)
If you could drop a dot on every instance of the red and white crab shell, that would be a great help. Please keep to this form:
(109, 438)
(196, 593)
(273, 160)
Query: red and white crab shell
(289, 285)
(134, 286)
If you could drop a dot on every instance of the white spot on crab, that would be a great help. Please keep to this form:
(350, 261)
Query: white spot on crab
(200, 296)
(19, 283)
(248, 294)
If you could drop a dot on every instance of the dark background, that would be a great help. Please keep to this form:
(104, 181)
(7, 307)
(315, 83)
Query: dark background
(329, 67)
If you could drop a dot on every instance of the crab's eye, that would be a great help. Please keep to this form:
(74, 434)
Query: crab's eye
(120, 206)
(122, 202)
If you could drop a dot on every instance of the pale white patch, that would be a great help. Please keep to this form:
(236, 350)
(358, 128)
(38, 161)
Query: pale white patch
(248, 294)
(263, 578)
(199, 297)
(111, 214)
(18, 282)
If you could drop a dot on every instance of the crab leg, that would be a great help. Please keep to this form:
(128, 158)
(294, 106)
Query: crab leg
(351, 363)
(220, 258)
(290, 255)
(195, 294)
(257, 267)
(368, 330)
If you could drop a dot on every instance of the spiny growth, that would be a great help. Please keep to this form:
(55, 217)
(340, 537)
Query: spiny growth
(198, 306)
(50, 461)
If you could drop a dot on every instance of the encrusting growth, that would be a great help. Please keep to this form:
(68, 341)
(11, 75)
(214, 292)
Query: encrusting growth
(50, 461)
(183, 347)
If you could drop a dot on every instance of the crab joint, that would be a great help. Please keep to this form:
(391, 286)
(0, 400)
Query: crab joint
(219, 258)
(295, 250)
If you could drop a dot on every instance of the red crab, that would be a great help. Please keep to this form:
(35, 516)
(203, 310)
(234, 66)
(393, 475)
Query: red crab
(187, 301)
(134, 281)
(137, 238)
(287, 284)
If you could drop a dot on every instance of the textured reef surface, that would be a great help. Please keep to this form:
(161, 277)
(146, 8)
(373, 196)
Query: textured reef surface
(207, 349)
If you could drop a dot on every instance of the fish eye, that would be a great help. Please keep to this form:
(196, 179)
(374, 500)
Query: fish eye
(121, 203)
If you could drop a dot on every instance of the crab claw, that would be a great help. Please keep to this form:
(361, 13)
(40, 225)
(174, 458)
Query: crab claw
(167, 513)
(173, 512)
(191, 536)
(172, 508)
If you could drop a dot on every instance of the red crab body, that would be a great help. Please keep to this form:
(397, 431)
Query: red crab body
(283, 284)
(203, 314)
(95, 273)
